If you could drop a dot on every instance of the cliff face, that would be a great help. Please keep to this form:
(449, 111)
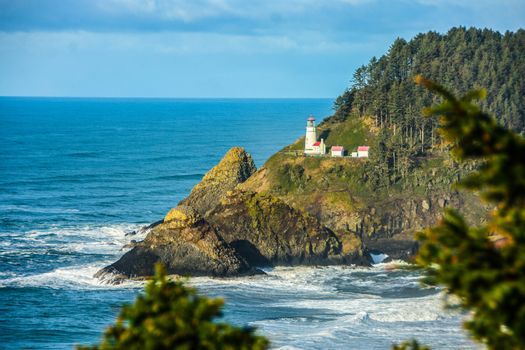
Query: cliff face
(365, 217)
(266, 231)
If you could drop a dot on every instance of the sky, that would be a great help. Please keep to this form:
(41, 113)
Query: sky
(215, 48)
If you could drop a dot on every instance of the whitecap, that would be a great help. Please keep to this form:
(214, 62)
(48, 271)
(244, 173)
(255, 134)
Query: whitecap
(104, 241)
(84, 239)
(73, 277)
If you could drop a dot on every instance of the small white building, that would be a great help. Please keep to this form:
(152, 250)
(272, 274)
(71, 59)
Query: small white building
(319, 147)
(362, 151)
(337, 151)
(354, 154)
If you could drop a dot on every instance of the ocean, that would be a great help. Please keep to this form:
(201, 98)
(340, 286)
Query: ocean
(77, 174)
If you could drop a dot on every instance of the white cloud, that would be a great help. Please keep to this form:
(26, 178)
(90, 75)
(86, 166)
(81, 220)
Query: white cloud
(183, 10)
(174, 43)
(357, 2)
(469, 3)
(193, 10)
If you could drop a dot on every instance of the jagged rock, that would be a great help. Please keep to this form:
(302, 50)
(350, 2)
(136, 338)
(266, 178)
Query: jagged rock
(184, 242)
(194, 250)
(244, 230)
(235, 168)
(233, 221)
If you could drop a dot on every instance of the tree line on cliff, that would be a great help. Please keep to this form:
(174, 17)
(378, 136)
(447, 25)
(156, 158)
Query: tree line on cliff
(462, 59)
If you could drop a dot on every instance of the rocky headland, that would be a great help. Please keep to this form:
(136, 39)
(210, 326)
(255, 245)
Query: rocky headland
(295, 210)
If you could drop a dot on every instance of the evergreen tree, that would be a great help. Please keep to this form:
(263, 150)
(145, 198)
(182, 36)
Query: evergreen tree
(170, 315)
(462, 59)
(484, 266)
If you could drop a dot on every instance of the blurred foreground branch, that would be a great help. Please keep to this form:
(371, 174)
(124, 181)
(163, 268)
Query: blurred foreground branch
(170, 315)
(483, 266)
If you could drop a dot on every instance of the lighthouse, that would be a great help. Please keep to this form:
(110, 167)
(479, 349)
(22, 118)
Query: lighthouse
(311, 136)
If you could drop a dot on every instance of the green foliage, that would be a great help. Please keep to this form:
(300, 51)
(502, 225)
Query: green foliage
(484, 267)
(410, 345)
(290, 177)
(171, 316)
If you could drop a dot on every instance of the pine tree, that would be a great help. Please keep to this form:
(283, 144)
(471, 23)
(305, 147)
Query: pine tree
(484, 266)
(170, 315)
(462, 59)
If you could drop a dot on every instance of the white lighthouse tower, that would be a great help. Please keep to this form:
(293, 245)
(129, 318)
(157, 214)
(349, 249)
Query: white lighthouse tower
(311, 136)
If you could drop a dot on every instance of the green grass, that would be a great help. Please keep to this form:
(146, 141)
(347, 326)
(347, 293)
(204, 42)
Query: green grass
(350, 134)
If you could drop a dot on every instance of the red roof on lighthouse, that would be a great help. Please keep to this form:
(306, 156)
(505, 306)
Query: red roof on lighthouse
(311, 119)
(363, 148)
(317, 143)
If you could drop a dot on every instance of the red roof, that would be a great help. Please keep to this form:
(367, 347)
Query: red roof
(337, 148)
(363, 148)
(317, 143)
(311, 119)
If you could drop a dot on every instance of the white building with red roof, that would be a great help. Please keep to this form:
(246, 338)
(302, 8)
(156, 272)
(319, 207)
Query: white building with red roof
(362, 151)
(337, 151)
(319, 147)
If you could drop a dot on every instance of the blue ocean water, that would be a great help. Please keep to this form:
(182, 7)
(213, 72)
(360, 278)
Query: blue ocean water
(76, 175)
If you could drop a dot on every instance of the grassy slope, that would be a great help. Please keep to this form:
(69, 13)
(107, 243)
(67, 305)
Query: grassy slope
(350, 134)
(289, 175)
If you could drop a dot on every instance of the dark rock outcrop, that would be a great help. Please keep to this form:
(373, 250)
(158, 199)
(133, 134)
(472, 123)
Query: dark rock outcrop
(186, 245)
(237, 219)
(299, 209)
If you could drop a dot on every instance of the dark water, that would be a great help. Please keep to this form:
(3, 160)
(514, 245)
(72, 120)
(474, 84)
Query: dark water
(77, 174)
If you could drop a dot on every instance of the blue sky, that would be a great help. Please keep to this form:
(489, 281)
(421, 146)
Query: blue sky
(215, 48)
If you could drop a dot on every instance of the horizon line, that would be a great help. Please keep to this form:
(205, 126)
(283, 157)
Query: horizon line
(168, 97)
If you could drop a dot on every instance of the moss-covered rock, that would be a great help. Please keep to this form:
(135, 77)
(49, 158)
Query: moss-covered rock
(235, 168)
(221, 230)
(181, 216)
(185, 242)
(363, 216)
(267, 231)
